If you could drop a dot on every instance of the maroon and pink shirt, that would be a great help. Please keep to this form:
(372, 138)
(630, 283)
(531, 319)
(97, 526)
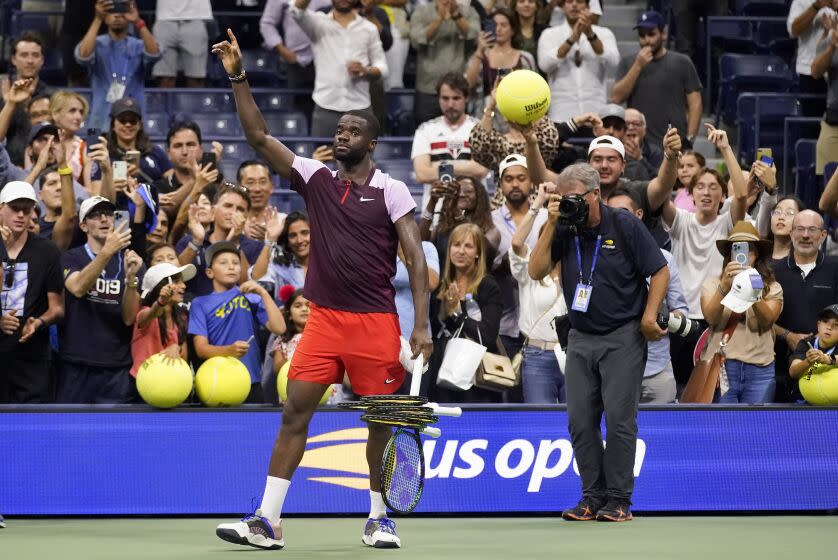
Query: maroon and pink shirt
(353, 237)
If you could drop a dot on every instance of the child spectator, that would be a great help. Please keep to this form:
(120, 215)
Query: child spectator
(162, 253)
(225, 322)
(815, 352)
(163, 289)
(690, 165)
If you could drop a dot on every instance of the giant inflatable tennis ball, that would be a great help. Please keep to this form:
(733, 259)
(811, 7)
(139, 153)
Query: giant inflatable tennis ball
(523, 96)
(820, 388)
(222, 381)
(282, 384)
(163, 383)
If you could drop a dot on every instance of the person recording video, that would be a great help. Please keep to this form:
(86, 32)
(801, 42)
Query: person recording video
(606, 254)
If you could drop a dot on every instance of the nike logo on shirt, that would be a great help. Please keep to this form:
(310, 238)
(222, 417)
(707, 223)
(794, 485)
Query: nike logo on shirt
(366, 199)
(388, 381)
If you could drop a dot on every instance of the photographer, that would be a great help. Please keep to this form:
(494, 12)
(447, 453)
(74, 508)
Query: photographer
(606, 256)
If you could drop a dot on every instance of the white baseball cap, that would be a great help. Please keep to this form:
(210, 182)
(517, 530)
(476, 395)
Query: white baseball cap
(17, 190)
(606, 141)
(511, 161)
(745, 291)
(90, 203)
(161, 271)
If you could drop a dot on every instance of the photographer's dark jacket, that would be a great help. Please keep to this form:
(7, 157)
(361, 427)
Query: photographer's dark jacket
(628, 254)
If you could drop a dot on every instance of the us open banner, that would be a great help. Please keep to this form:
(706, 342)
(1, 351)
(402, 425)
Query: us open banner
(489, 460)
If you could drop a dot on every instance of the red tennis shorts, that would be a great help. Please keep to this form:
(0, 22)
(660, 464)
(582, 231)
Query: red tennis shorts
(365, 345)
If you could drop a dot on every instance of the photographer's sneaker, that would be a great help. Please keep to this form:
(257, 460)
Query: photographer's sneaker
(381, 533)
(253, 530)
(585, 510)
(2, 522)
(615, 510)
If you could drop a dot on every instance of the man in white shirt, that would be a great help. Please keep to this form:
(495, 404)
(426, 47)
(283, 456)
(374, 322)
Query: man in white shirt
(445, 138)
(806, 22)
(516, 185)
(181, 31)
(577, 57)
(347, 55)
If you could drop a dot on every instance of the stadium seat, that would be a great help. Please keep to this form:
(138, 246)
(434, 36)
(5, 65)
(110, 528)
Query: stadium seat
(402, 170)
(53, 70)
(394, 148)
(740, 73)
(274, 101)
(290, 123)
(772, 37)
(400, 112)
(34, 21)
(261, 68)
(156, 101)
(156, 124)
(228, 168)
(762, 7)
(303, 148)
(217, 124)
(806, 185)
(771, 114)
(202, 102)
(238, 151)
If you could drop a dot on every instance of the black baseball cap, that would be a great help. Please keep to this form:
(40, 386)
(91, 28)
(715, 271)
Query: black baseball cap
(829, 312)
(218, 248)
(125, 105)
(40, 129)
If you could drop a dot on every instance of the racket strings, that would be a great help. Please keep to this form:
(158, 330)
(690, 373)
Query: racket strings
(403, 476)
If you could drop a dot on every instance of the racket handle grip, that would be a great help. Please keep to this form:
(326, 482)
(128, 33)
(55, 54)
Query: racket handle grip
(416, 377)
(432, 432)
(454, 411)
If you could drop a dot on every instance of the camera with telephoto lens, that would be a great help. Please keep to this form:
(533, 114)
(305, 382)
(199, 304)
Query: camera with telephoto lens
(677, 324)
(573, 210)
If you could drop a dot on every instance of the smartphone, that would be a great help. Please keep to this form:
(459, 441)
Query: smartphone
(490, 27)
(132, 156)
(739, 252)
(92, 137)
(120, 217)
(208, 157)
(762, 152)
(768, 160)
(120, 170)
(120, 7)
(446, 171)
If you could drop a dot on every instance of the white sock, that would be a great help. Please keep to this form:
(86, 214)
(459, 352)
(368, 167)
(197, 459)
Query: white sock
(377, 507)
(274, 498)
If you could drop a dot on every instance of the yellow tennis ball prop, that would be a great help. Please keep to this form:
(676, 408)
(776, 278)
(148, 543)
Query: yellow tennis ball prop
(222, 381)
(282, 384)
(821, 387)
(164, 383)
(523, 96)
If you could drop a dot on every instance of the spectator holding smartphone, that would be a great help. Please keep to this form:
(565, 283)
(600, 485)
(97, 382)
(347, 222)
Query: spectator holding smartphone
(116, 61)
(126, 137)
(495, 56)
(224, 321)
(102, 301)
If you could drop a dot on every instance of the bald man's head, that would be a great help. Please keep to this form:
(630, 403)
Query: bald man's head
(807, 234)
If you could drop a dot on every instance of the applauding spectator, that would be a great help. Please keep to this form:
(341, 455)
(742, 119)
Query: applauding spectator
(116, 61)
(27, 59)
(102, 302)
(342, 74)
(807, 21)
(577, 57)
(747, 299)
(255, 176)
(661, 84)
(224, 321)
(68, 110)
(439, 31)
(30, 300)
(285, 262)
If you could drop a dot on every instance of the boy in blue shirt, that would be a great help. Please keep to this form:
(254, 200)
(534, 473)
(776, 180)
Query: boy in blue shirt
(226, 322)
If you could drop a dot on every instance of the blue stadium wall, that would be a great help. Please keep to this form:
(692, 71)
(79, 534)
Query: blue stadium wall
(125, 462)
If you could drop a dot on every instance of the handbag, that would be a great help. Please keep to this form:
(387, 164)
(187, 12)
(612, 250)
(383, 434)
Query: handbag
(495, 372)
(518, 359)
(705, 377)
(460, 361)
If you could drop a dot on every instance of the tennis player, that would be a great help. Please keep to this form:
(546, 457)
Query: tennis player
(359, 216)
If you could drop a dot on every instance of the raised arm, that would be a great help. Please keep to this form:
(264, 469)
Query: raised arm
(417, 272)
(829, 198)
(739, 204)
(88, 42)
(624, 86)
(278, 156)
(62, 232)
(541, 261)
(821, 63)
(660, 188)
(519, 240)
(535, 161)
(79, 283)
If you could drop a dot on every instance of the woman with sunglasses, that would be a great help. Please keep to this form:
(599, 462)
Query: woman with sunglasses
(127, 136)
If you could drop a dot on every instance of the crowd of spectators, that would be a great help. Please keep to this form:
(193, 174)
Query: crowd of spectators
(115, 248)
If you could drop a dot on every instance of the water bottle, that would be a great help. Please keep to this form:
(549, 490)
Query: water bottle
(473, 309)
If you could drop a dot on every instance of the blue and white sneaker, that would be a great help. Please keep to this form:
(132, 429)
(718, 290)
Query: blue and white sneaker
(381, 533)
(253, 530)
